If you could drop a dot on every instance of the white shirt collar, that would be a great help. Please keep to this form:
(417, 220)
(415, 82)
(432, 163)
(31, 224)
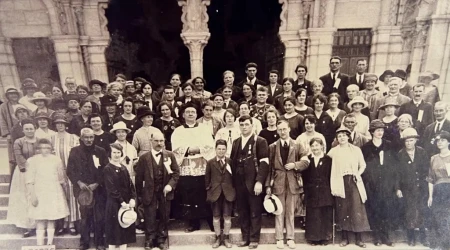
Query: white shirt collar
(417, 103)
(154, 152)
(252, 81)
(283, 141)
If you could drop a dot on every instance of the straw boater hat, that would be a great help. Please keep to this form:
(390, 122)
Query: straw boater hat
(428, 74)
(126, 217)
(376, 124)
(385, 73)
(273, 205)
(357, 99)
(409, 133)
(389, 103)
(129, 83)
(39, 96)
(120, 126)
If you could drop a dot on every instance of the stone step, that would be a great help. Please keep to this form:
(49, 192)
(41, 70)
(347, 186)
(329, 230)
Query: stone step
(5, 178)
(3, 213)
(4, 188)
(4, 199)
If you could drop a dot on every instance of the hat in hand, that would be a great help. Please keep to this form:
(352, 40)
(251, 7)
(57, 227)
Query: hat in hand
(273, 205)
(86, 198)
(126, 217)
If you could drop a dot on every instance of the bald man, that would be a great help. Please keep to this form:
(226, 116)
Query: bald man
(440, 111)
(157, 174)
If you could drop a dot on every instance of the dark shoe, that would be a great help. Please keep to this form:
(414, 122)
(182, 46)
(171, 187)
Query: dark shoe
(389, 243)
(226, 241)
(101, 248)
(191, 229)
(425, 243)
(73, 231)
(377, 243)
(83, 247)
(361, 244)
(343, 243)
(29, 233)
(60, 232)
(148, 245)
(162, 246)
(243, 244)
(253, 245)
(324, 243)
(216, 243)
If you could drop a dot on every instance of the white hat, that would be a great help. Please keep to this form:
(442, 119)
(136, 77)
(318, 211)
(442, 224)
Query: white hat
(126, 217)
(273, 205)
(357, 99)
(120, 126)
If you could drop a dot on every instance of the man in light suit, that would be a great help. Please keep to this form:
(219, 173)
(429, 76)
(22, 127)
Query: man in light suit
(441, 123)
(358, 78)
(335, 81)
(356, 138)
(157, 174)
(393, 96)
(286, 161)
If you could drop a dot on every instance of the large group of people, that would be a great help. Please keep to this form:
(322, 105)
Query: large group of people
(343, 153)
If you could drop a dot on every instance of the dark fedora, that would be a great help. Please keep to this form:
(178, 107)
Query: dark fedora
(144, 111)
(385, 73)
(109, 100)
(400, 73)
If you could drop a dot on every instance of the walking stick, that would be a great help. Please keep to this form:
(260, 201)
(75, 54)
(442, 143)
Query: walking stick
(165, 220)
(334, 227)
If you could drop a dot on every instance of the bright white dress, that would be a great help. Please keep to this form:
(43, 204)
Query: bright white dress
(47, 174)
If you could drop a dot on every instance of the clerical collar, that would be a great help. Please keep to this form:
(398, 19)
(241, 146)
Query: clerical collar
(190, 126)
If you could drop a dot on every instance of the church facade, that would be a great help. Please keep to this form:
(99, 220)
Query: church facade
(390, 34)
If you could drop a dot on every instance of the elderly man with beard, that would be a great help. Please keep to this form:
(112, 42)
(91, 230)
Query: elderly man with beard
(85, 170)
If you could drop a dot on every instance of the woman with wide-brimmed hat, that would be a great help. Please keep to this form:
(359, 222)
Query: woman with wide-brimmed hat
(43, 122)
(96, 88)
(42, 102)
(380, 179)
(362, 121)
(29, 87)
(63, 142)
(382, 85)
(143, 136)
(347, 186)
(391, 131)
(413, 168)
(129, 157)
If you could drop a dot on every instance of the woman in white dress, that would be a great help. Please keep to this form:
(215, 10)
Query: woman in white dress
(230, 132)
(46, 182)
(130, 156)
(362, 121)
(310, 132)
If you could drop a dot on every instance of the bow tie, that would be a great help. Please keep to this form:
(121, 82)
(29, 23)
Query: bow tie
(158, 154)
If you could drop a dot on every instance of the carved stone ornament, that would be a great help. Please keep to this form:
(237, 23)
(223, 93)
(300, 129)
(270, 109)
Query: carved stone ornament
(79, 16)
(195, 16)
(283, 14)
(103, 20)
(422, 34)
(307, 6)
(62, 18)
(323, 13)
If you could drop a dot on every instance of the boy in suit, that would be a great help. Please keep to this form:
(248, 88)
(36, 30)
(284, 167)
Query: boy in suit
(220, 192)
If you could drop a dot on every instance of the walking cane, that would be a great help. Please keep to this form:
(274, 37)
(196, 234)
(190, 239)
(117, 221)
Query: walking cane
(165, 220)
(334, 227)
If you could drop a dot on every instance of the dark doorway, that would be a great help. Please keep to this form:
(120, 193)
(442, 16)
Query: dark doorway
(352, 45)
(146, 40)
(242, 31)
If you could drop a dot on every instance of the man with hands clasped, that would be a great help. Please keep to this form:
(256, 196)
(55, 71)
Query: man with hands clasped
(85, 170)
(250, 166)
(284, 180)
(157, 174)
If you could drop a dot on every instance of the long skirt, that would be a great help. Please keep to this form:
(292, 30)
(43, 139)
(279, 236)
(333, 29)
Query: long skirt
(190, 198)
(441, 214)
(319, 223)
(74, 207)
(114, 233)
(351, 212)
(19, 206)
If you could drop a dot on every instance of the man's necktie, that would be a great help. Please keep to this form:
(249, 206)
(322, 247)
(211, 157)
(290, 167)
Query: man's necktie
(438, 127)
(158, 154)
(285, 145)
(334, 77)
(360, 81)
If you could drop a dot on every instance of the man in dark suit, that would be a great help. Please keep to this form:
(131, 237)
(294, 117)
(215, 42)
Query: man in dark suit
(220, 192)
(358, 78)
(157, 174)
(250, 167)
(71, 86)
(228, 102)
(274, 88)
(335, 81)
(286, 161)
(301, 70)
(441, 123)
(251, 69)
(169, 96)
(420, 111)
(85, 170)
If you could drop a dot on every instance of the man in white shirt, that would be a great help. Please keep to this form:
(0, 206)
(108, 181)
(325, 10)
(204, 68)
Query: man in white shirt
(441, 123)
(251, 69)
(358, 78)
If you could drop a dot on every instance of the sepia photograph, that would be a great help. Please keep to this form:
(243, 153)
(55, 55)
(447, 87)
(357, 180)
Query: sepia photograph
(224, 124)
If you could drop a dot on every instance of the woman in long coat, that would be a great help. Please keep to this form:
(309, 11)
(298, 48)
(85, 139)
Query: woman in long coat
(318, 198)
(380, 179)
(348, 187)
(413, 167)
(120, 193)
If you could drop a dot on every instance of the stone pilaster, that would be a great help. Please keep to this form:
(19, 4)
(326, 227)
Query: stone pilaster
(8, 70)
(320, 48)
(420, 41)
(294, 53)
(195, 33)
(69, 58)
(95, 58)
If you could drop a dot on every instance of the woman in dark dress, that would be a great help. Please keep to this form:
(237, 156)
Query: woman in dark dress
(390, 120)
(294, 119)
(380, 180)
(413, 166)
(128, 118)
(300, 106)
(318, 198)
(120, 193)
(270, 133)
(324, 123)
(167, 124)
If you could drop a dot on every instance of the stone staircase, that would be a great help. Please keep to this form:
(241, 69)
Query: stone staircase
(11, 237)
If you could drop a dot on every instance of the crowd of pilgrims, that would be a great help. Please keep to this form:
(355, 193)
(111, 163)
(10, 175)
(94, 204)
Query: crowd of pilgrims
(367, 153)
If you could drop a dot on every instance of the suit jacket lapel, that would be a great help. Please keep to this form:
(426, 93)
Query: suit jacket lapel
(278, 152)
(291, 149)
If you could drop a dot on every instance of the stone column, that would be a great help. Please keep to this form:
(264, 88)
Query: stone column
(294, 53)
(95, 58)
(195, 33)
(320, 50)
(68, 56)
(8, 70)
